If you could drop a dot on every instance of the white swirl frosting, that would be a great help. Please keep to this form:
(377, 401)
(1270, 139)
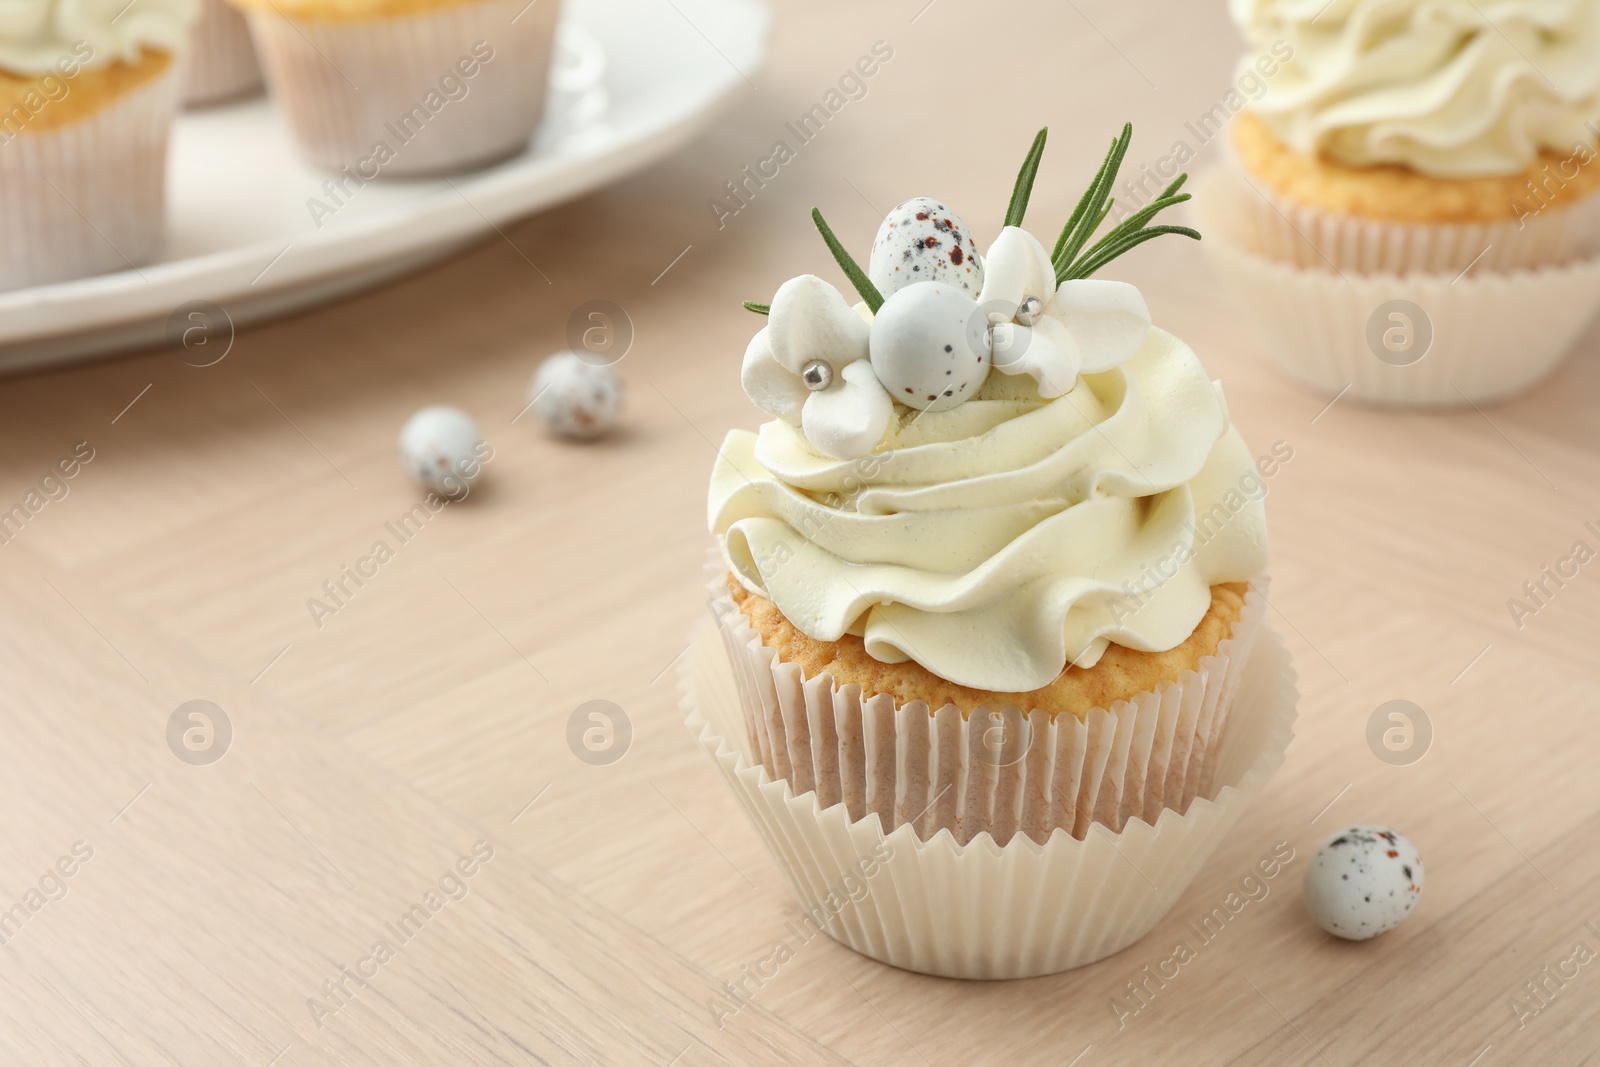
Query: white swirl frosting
(1450, 88)
(41, 36)
(997, 541)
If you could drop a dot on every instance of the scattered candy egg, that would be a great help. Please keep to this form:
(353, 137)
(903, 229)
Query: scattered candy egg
(439, 448)
(924, 241)
(575, 398)
(930, 346)
(1363, 882)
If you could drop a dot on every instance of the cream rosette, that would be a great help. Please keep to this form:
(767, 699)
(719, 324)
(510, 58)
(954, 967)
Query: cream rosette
(1092, 492)
(1451, 88)
(37, 35)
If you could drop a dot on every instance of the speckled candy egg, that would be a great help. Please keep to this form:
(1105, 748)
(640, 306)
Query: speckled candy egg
(575, 398)
(930, 346)
(924, 241)
(439, 448)
(1363, 882)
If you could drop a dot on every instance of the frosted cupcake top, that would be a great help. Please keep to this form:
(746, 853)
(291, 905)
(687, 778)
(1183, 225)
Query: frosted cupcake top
(1450, 88)
(44, 36)
(998, 470)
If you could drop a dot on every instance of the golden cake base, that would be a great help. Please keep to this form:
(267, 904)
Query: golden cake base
(34, 103)
(1400, 194)
(1121, 674)
(351, 10)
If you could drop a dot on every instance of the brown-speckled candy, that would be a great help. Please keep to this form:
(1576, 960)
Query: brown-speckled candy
(930, 347)
(1363, 882)
(922, 240)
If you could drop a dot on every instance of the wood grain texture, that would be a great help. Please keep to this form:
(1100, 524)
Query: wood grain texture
(374, 750)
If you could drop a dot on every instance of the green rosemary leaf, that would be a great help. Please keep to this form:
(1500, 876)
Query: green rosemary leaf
(759, 309)
(1098, 219)
(1144, 234)
(1083, 208)
(1089, 264)
(1024, 187)
(1098, 201)
(1133, 223)
(1078, 213)
(1062, 266)
(1069, 258)
(857, 276)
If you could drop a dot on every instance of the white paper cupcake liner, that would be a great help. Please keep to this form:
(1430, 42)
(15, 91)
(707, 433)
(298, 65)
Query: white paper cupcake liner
(980, 910)
(90, 196)
(998, 771)
(1424, 340)
(348, 87)
(1281, 230)
(221, 62)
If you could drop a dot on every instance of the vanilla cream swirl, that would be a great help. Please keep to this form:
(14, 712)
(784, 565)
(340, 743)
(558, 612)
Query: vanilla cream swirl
(998, 541)
(1450, 88)
(40, 36)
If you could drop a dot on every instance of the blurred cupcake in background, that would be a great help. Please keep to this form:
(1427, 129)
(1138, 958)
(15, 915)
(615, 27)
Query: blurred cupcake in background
(1416, 135)
(87, 94)
(1449, 143)
(397, 88)
(222, 61)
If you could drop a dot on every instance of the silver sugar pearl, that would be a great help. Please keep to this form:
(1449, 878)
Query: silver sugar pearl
(1030, 310)
(817, 375)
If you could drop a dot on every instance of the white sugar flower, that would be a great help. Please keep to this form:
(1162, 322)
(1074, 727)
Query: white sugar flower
(809, 367)
(1055, 333)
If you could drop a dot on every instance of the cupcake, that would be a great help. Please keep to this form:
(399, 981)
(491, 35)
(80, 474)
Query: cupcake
(990, 580)
(222, 61)
(87, 93)
(1430, 140)
(1426, 135)
(398, 88)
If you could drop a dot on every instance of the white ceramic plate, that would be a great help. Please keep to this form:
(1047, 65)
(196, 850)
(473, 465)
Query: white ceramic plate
(634, 79)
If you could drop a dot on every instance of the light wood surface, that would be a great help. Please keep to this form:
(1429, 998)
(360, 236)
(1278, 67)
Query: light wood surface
(430, 712)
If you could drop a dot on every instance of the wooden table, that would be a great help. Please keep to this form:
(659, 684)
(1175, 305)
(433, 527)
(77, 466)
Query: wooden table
(223, 908)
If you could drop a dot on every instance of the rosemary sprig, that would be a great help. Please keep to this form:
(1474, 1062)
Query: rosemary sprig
(1069, 258)
(1168, 197)
(857, 276)
(1087, 266)
(1024, 187)
(1092, 210)
(1131, 232)
(1093, 206)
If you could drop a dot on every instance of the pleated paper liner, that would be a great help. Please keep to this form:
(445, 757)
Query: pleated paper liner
(997, 771)
(1418, 339)
(221, 62)
(88, 197)
(980, 909)
(347, 87)
(1286, 232)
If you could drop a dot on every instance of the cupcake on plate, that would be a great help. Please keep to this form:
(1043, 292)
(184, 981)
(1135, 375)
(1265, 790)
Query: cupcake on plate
(222, 60)
(87, 94)
(1422, 139)
(985, 583)
(400, 88)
